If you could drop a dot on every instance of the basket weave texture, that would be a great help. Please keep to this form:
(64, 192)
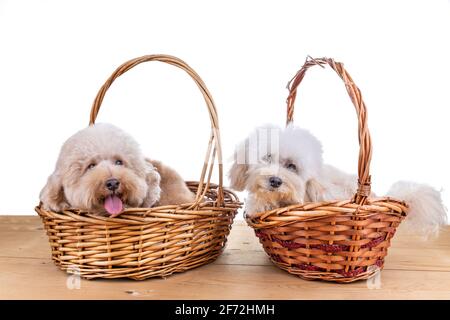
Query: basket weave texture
(343, 240)
(148, 242)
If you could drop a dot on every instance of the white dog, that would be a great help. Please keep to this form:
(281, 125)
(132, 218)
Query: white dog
(281, 167)
(101, 169)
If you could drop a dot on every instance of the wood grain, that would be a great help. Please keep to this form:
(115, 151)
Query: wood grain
(414, 269)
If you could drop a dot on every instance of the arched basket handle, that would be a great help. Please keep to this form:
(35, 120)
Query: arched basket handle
(214, 149)
(365, 143)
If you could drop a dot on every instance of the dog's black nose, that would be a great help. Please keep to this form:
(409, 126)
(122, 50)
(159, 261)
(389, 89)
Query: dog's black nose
(112, 184)
(275, 182)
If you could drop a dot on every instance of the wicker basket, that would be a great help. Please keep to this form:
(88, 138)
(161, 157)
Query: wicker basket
(148, 242)
(344, 240)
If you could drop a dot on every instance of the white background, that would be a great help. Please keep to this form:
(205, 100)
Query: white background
(54, 56)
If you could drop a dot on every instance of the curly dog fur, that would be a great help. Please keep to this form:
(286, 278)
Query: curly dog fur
(279, 167)
(101, 169)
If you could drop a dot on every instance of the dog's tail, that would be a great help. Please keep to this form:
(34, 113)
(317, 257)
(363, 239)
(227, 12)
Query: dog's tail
(426, 214)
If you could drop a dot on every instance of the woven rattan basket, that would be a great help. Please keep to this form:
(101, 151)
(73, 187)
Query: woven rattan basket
(148, 242)
(344, 240)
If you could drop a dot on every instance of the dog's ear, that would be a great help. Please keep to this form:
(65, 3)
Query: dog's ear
(238, 175)
(52, 195)
(173, 188)
(153, 179)
(314, 191)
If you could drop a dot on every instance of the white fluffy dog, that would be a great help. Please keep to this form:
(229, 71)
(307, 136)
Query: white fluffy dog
(281, 167)
(101, 169)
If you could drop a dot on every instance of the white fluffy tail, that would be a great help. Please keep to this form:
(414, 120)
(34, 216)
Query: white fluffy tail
(427, 214)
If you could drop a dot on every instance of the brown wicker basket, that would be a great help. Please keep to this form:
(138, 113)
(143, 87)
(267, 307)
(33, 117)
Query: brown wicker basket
(343, 240)
(148, 242)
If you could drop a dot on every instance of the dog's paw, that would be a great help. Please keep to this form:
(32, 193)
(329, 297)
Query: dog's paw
(315, 191)
(55, 207)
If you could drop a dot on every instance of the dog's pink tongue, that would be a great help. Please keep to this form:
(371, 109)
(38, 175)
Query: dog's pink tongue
(113, 205)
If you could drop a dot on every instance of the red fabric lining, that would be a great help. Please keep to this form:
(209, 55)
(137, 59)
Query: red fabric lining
(346, 274)
(373, 243)
(324, 247)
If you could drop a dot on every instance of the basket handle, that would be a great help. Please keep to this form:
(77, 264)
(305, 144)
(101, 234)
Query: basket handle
(214, 145)
(365, 143)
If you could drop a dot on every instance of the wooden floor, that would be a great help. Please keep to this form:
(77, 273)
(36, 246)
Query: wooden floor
(414, 269)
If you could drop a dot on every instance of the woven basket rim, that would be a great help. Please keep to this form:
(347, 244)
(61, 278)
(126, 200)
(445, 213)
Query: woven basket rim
(303, 212)
(186, 211)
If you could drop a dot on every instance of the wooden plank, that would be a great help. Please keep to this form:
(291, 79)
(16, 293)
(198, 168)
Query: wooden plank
(24, 244)
(40, 279)
(407, 252)
(20, 223)
(414, 269)
(241, 234)
(35, 245)
(243, 248)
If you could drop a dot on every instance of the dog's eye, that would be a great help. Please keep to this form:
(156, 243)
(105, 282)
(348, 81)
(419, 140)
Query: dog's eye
(119, 163)
(291, 166)
(92, 165)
